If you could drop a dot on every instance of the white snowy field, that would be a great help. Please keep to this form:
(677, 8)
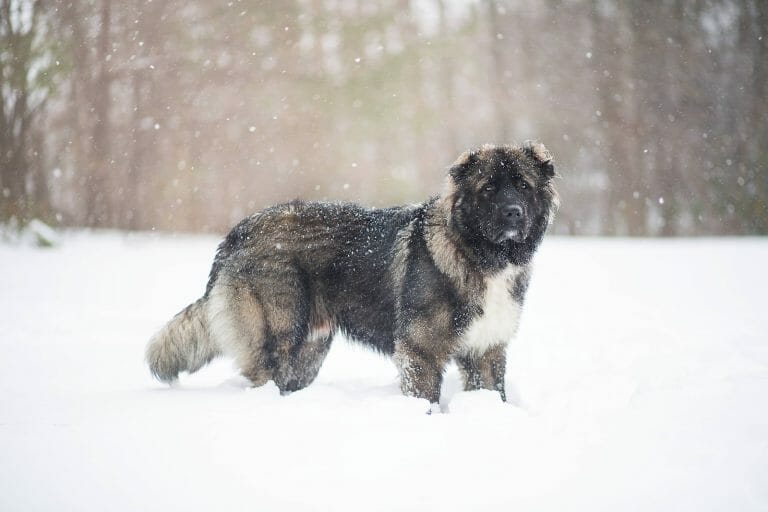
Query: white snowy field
(640, 380)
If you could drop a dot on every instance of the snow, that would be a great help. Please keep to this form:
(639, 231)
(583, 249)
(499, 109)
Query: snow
(640, 380)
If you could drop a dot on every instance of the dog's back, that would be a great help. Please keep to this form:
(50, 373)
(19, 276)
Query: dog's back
(283, 282)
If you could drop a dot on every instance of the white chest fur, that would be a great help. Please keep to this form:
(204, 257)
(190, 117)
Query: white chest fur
(501, 314)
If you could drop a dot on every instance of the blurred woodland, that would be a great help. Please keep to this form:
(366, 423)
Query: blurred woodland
(188, 115)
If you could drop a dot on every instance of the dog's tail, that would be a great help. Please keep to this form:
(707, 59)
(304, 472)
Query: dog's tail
(184, 344)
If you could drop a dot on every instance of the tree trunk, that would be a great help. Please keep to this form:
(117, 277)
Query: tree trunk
(99, 213)
(499, 95)
(15, 127)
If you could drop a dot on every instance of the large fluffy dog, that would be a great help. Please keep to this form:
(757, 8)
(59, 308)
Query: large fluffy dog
(431, 283)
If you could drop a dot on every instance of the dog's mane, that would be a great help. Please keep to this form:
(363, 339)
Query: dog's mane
(457, 250)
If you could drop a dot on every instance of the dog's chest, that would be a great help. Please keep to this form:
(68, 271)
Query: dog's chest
(500, 314)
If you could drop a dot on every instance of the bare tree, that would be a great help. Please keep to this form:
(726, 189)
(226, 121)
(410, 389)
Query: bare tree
(27, 73)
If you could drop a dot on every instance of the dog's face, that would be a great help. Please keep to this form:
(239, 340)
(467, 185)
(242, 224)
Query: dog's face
(504, 194)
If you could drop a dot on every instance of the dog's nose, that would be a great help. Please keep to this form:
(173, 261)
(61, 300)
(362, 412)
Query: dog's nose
(512, 211)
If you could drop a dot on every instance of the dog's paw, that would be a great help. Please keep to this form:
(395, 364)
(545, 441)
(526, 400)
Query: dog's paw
(434, 408)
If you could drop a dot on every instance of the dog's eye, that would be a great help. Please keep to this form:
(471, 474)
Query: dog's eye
(488, 188)
(523, 185)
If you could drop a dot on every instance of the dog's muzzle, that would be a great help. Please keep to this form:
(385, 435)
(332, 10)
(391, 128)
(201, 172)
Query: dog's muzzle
(513, 223)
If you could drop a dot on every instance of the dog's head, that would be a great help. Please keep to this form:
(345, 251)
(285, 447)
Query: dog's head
(504, 194)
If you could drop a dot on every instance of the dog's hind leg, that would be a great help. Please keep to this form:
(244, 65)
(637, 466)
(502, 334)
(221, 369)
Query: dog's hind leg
(303, 364)
(264, 323)
(237, 323)
(292, 352)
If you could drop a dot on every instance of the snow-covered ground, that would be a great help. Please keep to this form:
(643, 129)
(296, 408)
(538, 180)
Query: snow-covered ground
(640, 378)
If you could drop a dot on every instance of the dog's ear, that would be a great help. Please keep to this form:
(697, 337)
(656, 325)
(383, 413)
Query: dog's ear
(541, 155)
(461, 167)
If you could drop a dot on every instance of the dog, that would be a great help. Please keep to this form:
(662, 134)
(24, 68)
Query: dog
(426, 284)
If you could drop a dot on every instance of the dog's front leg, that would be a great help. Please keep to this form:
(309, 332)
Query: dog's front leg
(421, 372)
(484, 371)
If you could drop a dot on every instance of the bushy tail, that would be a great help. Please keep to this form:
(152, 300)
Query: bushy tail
(184, 344)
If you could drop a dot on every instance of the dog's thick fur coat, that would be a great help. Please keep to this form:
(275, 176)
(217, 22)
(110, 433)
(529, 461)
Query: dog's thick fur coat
(440, 281)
